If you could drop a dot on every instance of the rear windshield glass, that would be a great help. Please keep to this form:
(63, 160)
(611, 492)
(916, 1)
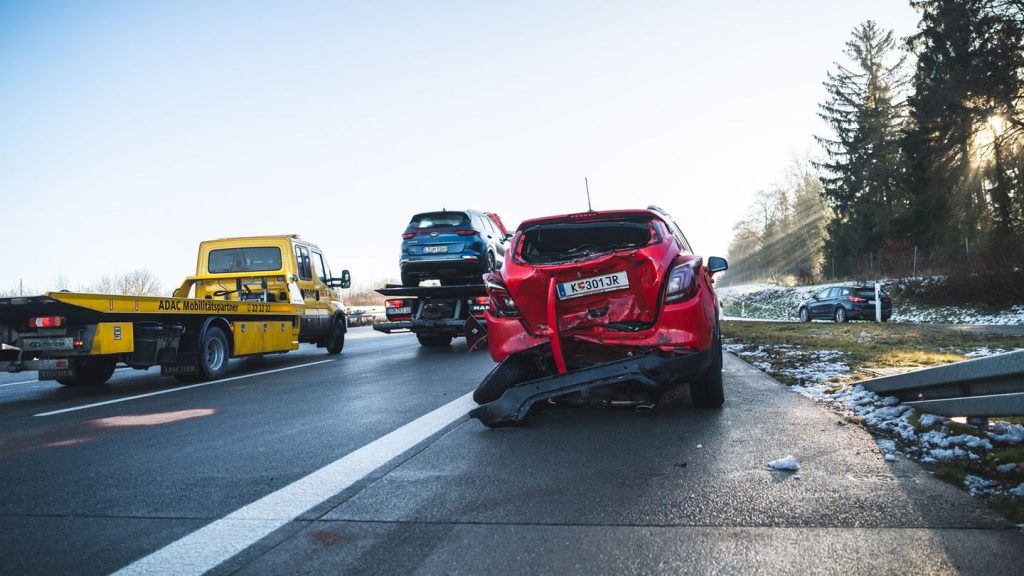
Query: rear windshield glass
(439, 220)
(244, 260)
(580, 240)
(869, 293)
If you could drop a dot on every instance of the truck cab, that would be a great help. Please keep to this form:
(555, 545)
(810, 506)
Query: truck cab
(283, 268)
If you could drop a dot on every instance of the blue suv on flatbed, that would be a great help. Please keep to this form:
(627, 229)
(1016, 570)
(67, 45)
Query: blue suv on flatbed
(455, 247)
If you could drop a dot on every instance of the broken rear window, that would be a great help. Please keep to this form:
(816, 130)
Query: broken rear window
(566, 241)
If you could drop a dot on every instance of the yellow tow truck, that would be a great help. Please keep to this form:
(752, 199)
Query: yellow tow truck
(249, 296)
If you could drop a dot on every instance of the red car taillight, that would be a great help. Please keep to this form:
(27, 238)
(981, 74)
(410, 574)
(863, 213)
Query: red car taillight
(46, 322)
(466, 232)
(502, 303)
(682, 281)
(408, 235)
(856, 299)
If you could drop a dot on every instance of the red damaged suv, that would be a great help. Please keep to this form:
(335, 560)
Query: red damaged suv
(600, 307)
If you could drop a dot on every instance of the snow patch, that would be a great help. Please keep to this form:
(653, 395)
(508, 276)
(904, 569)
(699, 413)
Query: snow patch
(978, 486)
(787, 463)
(1006, 468)
(1018, 491)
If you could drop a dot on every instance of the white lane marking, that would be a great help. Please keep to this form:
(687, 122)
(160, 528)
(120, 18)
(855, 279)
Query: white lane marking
(16, 383)
(178, 389)
(222, 539)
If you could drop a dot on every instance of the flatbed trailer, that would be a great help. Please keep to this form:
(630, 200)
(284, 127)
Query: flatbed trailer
(250, 296)
(79, 338)
(436, 314)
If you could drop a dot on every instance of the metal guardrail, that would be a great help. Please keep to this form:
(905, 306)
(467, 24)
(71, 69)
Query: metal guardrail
(977, 389)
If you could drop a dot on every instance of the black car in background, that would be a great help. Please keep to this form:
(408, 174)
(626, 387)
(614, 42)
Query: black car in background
(843, 303)
(455, 247)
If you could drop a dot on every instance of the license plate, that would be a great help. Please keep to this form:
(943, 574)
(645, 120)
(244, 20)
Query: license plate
(440, 249)
(55, 374)
(400, 311)
(595, 285)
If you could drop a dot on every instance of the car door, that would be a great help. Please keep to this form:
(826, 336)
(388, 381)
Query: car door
(310, 317)
(494, 239)
(321, 274)
(819, 303)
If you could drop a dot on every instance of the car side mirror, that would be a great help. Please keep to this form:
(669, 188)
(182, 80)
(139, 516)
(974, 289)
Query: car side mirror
(716, 264)
(507, 237)
(344, 282)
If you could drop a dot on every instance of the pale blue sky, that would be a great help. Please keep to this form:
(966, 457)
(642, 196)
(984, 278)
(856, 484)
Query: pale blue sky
(131, 131)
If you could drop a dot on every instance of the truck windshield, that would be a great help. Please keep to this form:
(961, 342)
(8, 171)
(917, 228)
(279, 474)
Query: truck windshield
(560, 242)
(244, 260)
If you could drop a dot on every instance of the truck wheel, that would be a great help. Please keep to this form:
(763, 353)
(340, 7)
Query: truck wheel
(90, 371)
(213, 354)
(513, 370)
(336, 341)
(434, 340)
(408, 280)
(707, 391)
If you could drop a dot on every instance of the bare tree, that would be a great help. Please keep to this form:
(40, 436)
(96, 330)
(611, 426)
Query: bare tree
(138, 282)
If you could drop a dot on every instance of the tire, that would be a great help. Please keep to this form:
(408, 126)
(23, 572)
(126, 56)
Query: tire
(491, 262)
(707, 392)
(90, 371)
(805, 315)
(884, 319)
(434, 340)
(514, 370)
(336, 340)
(213, 354)
(408, 280)
(840, 315)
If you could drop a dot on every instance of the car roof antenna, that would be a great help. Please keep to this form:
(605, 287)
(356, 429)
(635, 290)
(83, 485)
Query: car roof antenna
(587, 184)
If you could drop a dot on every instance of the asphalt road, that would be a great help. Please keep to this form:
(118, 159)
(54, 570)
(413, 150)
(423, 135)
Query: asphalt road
(308, 464)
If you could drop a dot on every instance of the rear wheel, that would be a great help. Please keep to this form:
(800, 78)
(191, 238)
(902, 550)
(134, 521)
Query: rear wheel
(213, 354)
(92, 371)
(491, 265)
(805, 315)
(434, 340)
(707, 392)
(512, 371)
(336, 340)
(840, 315)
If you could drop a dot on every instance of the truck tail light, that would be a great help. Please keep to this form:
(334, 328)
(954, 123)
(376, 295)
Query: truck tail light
(682, 281)
(478, 305)
(408, 235)
(502, 303)
(46, 321)
(466, 232)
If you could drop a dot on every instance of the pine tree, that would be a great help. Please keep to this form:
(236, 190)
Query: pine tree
(863, 178)
(963, 162)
